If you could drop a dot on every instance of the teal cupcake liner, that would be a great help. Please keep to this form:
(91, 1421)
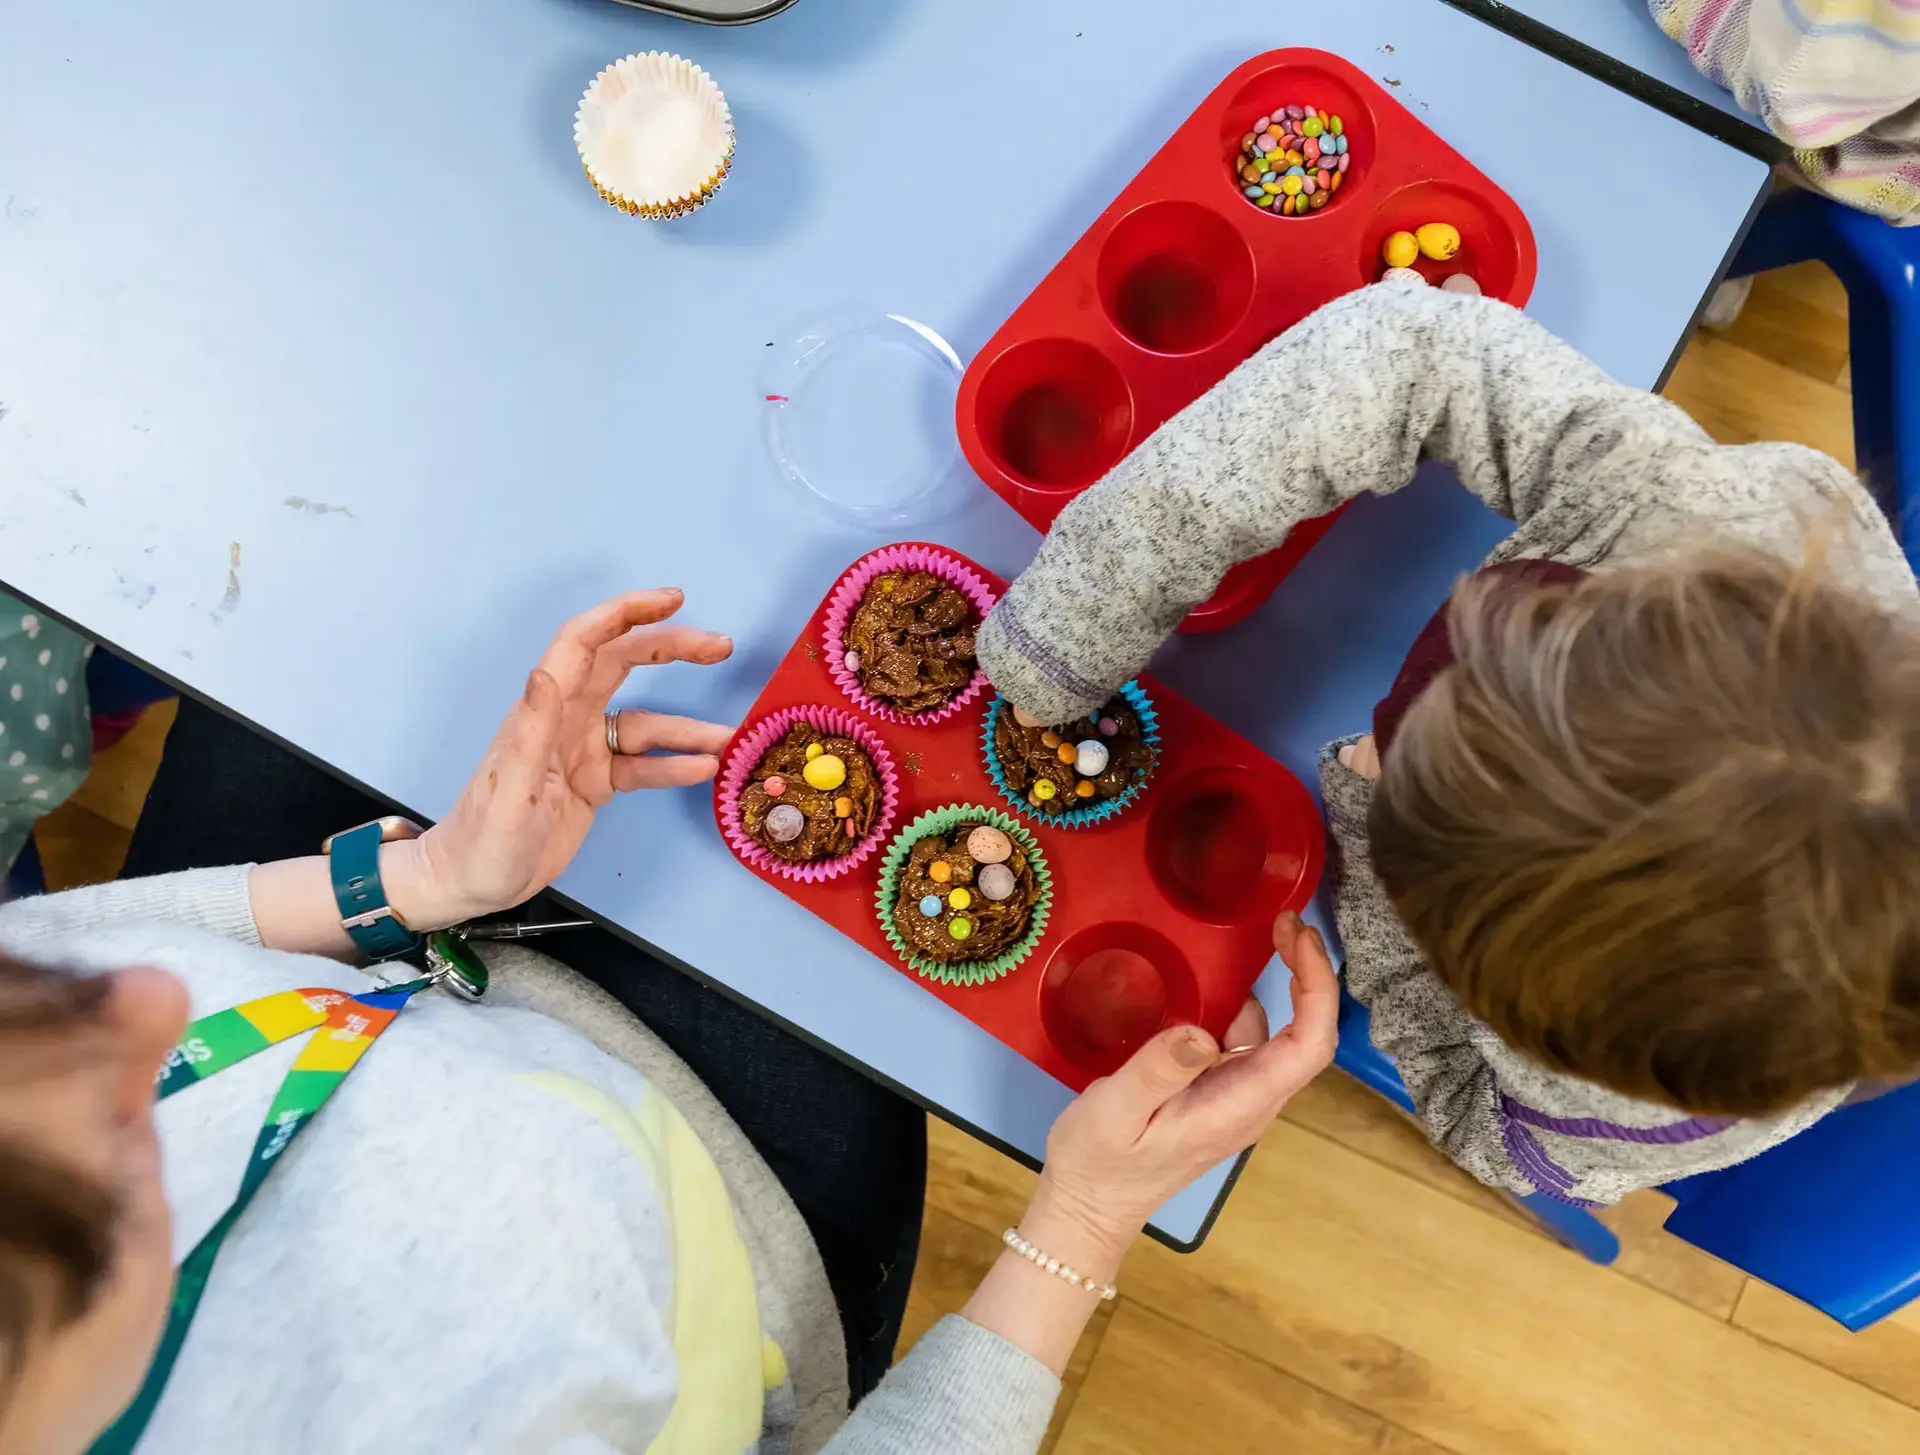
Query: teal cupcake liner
(941, 820)
(1094, 813)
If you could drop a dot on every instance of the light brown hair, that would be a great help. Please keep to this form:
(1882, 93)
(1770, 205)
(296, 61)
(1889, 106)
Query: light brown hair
(56, 1225)
(1661, 829)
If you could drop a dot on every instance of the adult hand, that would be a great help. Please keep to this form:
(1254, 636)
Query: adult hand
(529, 805)
(1178, 1107)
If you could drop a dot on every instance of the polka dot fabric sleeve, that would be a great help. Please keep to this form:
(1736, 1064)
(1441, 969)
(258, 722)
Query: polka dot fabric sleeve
(46, 734)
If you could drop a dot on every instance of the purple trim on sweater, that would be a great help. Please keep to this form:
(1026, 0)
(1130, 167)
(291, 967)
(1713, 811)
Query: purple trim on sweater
(1531, 1161)
(1045, 658)
(1673, 1134)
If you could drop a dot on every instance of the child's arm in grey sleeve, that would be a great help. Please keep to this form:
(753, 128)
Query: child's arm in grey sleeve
(1407, 374)
(1413, 1018)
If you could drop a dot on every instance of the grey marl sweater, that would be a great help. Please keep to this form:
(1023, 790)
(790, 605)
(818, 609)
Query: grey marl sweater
(1592, 472)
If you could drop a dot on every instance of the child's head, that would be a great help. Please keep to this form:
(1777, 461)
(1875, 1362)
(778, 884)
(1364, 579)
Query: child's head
(85, 1256)
(1661, 830)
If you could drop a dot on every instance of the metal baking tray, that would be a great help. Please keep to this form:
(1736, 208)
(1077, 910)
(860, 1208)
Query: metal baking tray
(713, 12)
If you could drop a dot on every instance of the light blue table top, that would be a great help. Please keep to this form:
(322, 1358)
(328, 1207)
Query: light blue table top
(1625, 31)
(344, 254)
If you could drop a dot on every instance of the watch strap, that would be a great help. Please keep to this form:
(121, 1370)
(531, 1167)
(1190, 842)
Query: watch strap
(354, 862)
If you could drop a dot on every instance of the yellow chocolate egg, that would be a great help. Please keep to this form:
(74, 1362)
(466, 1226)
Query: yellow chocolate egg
(959, 899)
(1400, 249)
(825, 772)
(1438, 240)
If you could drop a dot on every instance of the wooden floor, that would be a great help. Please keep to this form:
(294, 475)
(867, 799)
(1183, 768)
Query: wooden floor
(1359, 1294)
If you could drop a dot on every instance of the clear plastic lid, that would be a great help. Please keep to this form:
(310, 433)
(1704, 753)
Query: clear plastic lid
(859, 417)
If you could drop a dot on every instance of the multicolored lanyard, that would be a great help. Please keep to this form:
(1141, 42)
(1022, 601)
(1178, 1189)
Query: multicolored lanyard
(347, 1024)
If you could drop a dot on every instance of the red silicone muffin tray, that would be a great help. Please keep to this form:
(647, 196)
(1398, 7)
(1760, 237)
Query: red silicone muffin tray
(1181, 279)
(1161, 916)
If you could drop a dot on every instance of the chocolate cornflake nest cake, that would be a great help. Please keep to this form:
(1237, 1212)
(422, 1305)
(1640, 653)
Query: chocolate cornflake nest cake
(965, 894)
(910, 641)
(813, 796)
(1073, 765)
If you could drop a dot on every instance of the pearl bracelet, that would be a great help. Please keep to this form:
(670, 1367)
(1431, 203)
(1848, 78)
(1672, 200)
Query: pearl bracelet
(1011, 1237)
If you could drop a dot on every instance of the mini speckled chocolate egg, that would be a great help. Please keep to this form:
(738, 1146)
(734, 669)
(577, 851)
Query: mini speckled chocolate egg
(1403, 275)
(989, 846)
(785, 823)
(1462, 283)
(997, 882)
(1090, 758)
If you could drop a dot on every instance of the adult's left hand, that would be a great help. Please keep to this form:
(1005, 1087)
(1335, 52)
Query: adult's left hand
(528, 807)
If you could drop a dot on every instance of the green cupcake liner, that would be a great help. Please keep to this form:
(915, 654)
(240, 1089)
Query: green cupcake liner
(941, 820)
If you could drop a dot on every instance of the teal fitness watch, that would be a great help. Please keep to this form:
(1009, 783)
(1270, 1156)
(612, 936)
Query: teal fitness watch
(353, 856)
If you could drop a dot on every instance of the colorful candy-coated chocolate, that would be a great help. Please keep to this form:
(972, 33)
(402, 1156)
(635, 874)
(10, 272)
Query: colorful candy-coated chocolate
(1064, 752)
(1311, 151)
(785, 822)
(1438, 240)
(1272, 188)
(1461, 283)
(1108, 727)
(1402, 275)
(1296, 112)
(1336, 126)
(989, 846)
(1083, 789)
(1049, 740)
(1340, 145)
(1319, 199)
(1044, 789)
(939, 871)
(1296, 170)
(775, 786)
(1247, 141)
(959, 928)
(825, 772)
(1266, 200)
(843, 808)
(847, 825)
(852, 660)
(1251, 172)
(1309, 186)
(1399, 250)
(959, 898)
(814, 750)
(1263, 123)
(996, 881)
(1266, 144)
(1323, 177)
(1343, 161)
(1253, 191)
(1311, 126)
(1338, 178)
(930, 905)
(1291, 184)
(1286, 204)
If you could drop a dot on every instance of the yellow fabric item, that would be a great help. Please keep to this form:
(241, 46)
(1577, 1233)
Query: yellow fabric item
(724, 1364)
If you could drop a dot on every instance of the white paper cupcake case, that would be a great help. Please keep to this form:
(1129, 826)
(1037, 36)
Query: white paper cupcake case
(595, 132)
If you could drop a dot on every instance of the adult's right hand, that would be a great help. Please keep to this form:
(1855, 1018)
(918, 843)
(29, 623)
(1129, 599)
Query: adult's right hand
(1178, 1107)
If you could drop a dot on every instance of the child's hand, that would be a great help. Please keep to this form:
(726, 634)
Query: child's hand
(1362, 757)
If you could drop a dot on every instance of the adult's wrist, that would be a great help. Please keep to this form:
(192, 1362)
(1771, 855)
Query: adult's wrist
(419, 889)
(1090, 1239)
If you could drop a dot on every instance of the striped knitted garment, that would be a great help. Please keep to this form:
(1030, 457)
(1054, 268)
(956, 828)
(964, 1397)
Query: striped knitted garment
(1837, 79)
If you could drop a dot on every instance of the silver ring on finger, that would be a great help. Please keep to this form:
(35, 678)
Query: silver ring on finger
(613, 734)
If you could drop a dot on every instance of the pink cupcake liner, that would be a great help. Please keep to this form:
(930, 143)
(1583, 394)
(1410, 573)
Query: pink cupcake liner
(846, 599)
(737, 772)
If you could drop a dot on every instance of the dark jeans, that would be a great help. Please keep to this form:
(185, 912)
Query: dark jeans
(851, 1154)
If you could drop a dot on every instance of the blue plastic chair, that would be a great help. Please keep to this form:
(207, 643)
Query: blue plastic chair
(1827, 1217)
(1880, 266)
